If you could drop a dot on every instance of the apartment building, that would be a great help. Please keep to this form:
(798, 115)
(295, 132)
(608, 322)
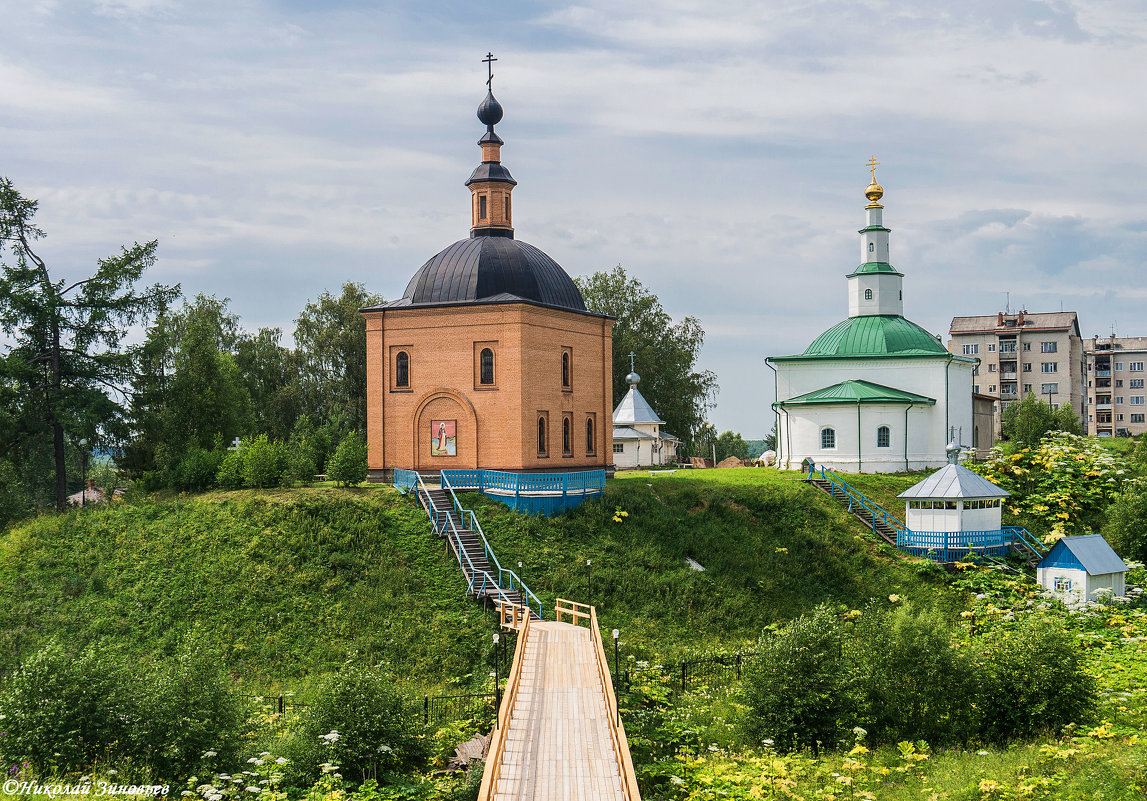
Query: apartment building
(1041, 353)
(1115, 385)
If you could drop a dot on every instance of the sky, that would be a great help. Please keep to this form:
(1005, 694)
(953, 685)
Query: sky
(715, 150)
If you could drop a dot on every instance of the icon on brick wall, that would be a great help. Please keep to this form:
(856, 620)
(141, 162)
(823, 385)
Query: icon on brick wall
(443, 438)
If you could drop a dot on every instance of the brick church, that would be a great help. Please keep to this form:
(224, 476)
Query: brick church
(490, 358)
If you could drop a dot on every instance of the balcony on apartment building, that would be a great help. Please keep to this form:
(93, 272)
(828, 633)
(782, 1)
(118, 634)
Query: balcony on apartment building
(1103, 374)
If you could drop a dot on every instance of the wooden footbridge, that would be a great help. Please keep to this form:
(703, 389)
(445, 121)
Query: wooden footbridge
(558, 734)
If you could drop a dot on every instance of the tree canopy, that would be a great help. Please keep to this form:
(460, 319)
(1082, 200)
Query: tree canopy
(68, 370)
(1029, 420)
(666, 352)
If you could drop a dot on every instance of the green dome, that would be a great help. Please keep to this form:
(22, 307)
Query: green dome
(884, 335)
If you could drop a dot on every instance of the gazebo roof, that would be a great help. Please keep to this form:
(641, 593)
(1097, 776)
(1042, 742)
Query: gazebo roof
(954, 481)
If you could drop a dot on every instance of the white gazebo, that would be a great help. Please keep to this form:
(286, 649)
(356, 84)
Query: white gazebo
(953, 513)
(638, 440)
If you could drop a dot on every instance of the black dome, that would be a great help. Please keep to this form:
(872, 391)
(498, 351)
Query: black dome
(492, 268)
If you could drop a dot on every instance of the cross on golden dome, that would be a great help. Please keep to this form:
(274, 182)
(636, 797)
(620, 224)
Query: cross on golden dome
(873, 191)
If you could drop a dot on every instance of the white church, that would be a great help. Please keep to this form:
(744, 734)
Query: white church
(875, 393)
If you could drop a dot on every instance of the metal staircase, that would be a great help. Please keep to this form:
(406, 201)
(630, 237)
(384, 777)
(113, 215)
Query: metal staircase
(485, 577)
(875, 517)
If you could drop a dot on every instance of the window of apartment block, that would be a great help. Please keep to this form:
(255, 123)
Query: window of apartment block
(991, 368)
(1049, 389)
(1027, 387)
(1027, 346)
(1136, 400)
(1119, 382)
(619, 447)
(1118, 366)
(1008, 347)
(991, 347)
(976, 388)
(1048, 347)
(992, 388)
(1135, 367)
(1138, 418)
(1049, 367)
(971, 350)
(1119, 399)
(1119, 418)
(1027, 367)
(1134, 383)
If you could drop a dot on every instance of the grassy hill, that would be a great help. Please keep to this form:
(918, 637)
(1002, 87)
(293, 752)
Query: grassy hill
(289, 583)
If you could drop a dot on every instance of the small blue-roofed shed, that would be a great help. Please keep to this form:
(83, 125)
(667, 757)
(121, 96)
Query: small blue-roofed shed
(1080, 567)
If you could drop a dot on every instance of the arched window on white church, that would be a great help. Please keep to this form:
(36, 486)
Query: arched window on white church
(883, 437)
(868, 294)
(828, 438)
(871, 247)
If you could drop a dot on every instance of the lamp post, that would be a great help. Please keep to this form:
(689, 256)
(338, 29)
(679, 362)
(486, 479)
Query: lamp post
(83, 471)
(589, 580)
(494, 676)
(522, 580)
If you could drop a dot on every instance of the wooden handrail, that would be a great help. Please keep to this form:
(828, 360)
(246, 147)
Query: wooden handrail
(501, 733)
(616, 730)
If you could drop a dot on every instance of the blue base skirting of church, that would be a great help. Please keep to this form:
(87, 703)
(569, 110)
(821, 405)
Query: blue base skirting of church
(546, 494)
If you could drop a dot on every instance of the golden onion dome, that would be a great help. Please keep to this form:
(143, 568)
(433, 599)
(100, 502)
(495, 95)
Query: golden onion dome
(874, 191)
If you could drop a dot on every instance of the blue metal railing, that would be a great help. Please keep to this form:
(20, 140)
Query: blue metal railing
(1020, 537)
(479, 581)
(878, 512)
(947, 546)
(586, 482)
(505, 575)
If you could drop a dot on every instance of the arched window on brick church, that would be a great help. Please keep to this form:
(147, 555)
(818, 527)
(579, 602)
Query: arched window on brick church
(590, 445)
(486, 364)
(567, 437)
(541, 436)
(565, 370)
(402, 369)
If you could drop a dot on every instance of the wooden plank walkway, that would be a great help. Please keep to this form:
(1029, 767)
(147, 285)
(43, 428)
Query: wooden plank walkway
(558, 742)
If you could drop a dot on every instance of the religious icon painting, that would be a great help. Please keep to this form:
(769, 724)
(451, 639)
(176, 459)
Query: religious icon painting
(443, 438)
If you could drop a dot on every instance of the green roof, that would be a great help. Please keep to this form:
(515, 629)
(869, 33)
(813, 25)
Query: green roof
(875, 267)
(887, 335)
(857, 392)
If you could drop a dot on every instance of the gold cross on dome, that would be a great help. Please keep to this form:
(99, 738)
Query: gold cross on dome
(872, 165)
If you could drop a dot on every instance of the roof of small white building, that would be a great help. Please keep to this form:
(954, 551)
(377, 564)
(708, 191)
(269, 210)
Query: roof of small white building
(954, 481)
(1091, 552)
(634, 408)
(626, 433)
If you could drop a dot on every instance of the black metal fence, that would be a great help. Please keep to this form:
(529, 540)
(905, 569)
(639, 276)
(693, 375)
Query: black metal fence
(690, 674)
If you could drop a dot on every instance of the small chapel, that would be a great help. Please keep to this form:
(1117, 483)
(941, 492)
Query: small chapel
(876, 392)
(490, 358)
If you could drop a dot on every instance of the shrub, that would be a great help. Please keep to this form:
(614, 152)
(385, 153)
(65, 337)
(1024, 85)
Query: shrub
(63, 710)
(187, 708)
(264, 462)
(1035, 681)
(198, 469)
(911, 681)
(14, 501)
(357, 721)
(796, 686)
(230, 475)
(349, 466)
(1126, 527)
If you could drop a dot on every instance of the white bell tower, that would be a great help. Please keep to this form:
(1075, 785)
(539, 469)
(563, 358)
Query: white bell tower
(875, 287)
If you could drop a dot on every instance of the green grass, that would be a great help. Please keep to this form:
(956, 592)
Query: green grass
(284, 583)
